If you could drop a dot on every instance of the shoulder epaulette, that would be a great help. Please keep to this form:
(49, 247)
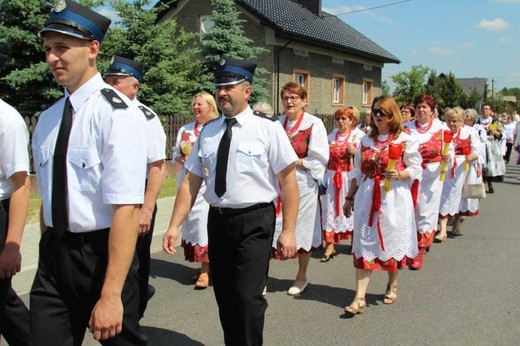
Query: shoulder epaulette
(266, 116)
(113, 98)
(148, 113)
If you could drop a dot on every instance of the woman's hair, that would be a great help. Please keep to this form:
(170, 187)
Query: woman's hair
(350, 112)
(429, 100)
(458, 112)
(210, 100)
(294, 88)
(410, 107)
(471, 114)
(263, 107)
(391, 110)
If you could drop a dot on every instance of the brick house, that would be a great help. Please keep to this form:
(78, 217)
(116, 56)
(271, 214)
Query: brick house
(338, 65)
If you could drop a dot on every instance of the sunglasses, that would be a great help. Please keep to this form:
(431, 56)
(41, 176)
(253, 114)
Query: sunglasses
(379, 113)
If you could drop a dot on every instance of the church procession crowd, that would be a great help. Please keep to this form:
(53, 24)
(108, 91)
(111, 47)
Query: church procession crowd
(253, 188)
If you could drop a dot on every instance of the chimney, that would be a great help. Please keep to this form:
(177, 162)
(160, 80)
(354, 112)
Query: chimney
(312, 5)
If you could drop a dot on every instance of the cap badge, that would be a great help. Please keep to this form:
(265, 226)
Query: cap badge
(222, 62)
(60, 6)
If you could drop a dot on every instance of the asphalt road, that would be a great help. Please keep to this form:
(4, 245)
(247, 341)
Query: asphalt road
(467, 293)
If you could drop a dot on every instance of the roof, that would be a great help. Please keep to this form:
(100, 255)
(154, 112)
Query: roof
(291, 20)
(470, 84)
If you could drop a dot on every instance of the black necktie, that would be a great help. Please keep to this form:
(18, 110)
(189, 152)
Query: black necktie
(222, 158)
(60, 217)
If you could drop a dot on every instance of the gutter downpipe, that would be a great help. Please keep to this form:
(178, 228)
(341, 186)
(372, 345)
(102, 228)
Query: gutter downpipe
(278, 75)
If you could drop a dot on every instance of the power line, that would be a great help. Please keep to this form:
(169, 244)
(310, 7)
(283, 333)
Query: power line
(373, 8)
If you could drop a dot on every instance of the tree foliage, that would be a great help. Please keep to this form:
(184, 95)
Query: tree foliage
(173, 74)
(410, 84)
(446, 90)
(25, 80)
(227, 37)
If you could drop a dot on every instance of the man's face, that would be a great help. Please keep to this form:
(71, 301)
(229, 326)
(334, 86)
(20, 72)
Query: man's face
(71, 60)
(128, 85)
(232, 99)
(486, 111)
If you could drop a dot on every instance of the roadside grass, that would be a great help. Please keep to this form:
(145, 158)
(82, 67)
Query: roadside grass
(169, 189)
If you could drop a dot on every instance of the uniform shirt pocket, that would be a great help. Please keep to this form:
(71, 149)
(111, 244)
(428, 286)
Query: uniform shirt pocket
(44, 168)
(208, 157)
(86, 163)
(249, 156)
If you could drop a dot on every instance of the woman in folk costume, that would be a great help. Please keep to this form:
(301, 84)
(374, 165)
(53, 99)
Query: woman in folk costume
(429, 133)
(470, 206)
(466, 146)
(194, 229)
(495, 164)
(308, 137)
(343, 141)
(387, 161)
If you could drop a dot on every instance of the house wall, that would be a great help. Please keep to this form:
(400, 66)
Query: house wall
(318, 62)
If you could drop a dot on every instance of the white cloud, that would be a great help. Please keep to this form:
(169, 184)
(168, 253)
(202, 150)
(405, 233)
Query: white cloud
(467, 45)
(340, 10)
(493, 25)
(442, 51)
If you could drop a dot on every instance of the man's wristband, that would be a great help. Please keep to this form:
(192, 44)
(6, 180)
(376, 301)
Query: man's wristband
(348, 198)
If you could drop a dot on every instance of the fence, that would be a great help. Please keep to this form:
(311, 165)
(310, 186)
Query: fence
(171, 125)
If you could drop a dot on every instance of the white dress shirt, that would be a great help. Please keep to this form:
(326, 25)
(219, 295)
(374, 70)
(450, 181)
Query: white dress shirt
(106, 156)
(14, 141)
(259, 150)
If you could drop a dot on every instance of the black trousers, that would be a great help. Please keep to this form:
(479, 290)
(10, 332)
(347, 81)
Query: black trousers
(14, 315)
(142, 250)
(67, 285)
(239, 250)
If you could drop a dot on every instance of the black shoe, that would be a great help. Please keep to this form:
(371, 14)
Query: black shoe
(151, 292)
(491, 190)
(327, 258)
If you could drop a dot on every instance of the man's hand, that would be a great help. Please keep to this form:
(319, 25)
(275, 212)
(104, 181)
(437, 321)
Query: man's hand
(145, 220)
(286, 244)
(10, 261)
(106, 319)
(169, 240)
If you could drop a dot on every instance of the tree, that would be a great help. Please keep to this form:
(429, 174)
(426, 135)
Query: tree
(385, 88)
(410, 85)
(173, 74)
(26, 82)
(227, 37)
(446, 90)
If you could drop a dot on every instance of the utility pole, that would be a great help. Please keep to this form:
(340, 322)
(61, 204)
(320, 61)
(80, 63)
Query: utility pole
(492, 89)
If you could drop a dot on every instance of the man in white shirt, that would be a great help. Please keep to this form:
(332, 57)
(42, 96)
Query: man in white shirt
(126, 75)
(90, 159)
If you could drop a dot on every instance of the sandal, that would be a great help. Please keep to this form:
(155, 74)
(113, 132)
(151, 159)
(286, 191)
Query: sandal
(356, 307)
(390, 295)
(203, 281)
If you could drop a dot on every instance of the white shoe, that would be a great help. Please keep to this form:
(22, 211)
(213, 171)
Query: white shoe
(297, 290)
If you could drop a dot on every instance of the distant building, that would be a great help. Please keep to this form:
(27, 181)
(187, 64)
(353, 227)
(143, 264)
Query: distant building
(472, 85)
(337, 65)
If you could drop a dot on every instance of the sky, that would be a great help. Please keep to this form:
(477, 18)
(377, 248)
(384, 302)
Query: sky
(471, 38)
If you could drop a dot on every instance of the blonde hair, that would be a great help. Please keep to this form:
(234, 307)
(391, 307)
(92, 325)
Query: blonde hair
(210, 100)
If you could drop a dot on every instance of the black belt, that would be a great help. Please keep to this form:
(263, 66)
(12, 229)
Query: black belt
(235, 211)
(83, 238)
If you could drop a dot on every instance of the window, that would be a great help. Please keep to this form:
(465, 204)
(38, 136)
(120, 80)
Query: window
(338, 89)
(367, 92)
(303, 78)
